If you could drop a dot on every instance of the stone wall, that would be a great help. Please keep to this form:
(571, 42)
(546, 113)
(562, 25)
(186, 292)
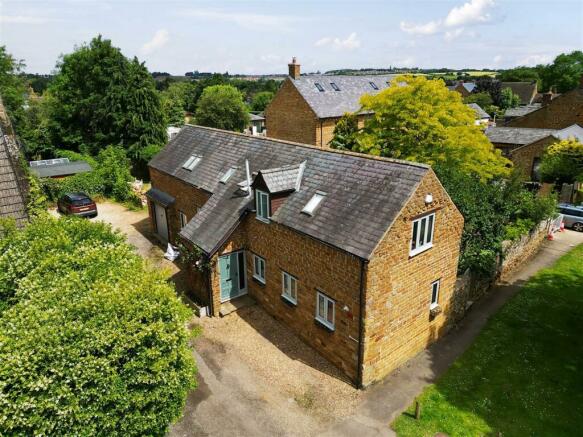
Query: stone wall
(516, 253)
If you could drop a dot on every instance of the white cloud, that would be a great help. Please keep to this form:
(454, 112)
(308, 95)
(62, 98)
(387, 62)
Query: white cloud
(22, 19)
(160, 39)
(498, 59)
(475, 11)
(536, 59)
(450, 35)
(351, 42)
(245, 20)
(421, 29)
(405, 62)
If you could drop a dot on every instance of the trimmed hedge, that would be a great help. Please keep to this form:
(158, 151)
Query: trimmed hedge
(91, 341)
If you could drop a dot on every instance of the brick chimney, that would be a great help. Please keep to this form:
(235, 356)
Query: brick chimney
(547, 97)
(294, 69)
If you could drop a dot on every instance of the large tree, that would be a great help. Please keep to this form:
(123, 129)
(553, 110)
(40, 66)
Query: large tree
(564, 73)
(12, 84)
(563, 162)
(222, 107)
(261, 100)
(520, 74)
(421, 120)
(102, 98)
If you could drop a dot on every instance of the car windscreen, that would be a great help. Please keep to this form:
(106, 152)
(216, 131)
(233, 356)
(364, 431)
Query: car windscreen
(82, 202)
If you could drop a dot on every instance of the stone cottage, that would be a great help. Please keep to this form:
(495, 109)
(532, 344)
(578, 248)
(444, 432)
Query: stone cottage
(307, 108)
(355, 254)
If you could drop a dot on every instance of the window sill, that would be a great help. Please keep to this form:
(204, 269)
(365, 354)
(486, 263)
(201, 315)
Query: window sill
(259, 281)
(420, 250)
(434, 310)
(324, 325)
(288, 301)
(261, 219)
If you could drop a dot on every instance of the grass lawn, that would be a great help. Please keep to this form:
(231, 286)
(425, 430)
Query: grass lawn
(523, 376)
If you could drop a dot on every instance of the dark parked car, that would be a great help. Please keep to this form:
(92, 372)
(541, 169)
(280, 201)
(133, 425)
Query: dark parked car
(77, 204)
(572, 216)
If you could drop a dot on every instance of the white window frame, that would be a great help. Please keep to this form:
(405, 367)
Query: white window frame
(227, 175)
(324, 320)
(183, 219)
(435, 285)
(257, 271)
(191, 162)
(258, 206)
(289, 293)
(428, 233)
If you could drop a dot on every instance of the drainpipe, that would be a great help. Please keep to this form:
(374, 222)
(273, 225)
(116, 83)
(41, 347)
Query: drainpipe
(359, 377)
(248, 178)
(210, 289)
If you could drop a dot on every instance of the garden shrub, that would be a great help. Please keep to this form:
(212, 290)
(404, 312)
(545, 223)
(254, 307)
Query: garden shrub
(91, 341)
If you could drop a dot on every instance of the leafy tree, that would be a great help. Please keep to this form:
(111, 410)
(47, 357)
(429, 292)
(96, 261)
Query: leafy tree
(222, 107)
(520, 74)
(491, 86)
(101, 98)
(421, 120)
(92, 341)
(261, 100)
(563, 162)
(564, 73)
(508, 99)
(485, 102)
(33, 128)
(173, 105)
(345, 133)
(12, 85)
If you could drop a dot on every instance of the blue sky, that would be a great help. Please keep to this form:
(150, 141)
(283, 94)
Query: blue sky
(261, 36)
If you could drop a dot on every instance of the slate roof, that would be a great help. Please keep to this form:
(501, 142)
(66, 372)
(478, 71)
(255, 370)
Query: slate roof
(480, 113)
(525, 90)
(519, 111)
(469, 86)
(332, 103)
(517, 135)
(256, 117)
(12, 189)
(364, 194)
(282, 179)
(60, 169)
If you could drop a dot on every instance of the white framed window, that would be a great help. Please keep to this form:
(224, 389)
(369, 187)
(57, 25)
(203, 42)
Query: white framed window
(183, 219)
(262, 205)
(422, 234)
(259, 268)
(325, 309)
(191, 162)
(434, 294)
(289, 287)
(227, 175)
(313, 203)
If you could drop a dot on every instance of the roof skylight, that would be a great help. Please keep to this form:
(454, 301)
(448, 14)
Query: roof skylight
(191, 162)
(334, 86)
(313, 203)
(373, 86)
(320, 87)
(227, 175)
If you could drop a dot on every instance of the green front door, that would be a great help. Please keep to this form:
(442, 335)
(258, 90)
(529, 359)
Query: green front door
(231, 272)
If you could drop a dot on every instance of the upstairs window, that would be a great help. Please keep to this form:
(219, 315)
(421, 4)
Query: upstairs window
(434, 294)
(191, 162)
(320, 87)
(262, 205)
(225, 177)
(334, 86)
(373, 86)
(289, 288)
(313, 203)
(325, 308)
(259, 268)
(422, 235)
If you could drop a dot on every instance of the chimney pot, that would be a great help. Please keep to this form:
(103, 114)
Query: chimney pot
(294, 69)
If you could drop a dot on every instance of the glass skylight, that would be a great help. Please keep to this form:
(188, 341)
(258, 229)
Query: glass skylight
(334, 86)
(320, 87)
(374, 86)
(314, 202)
(227, 175)
(191, 162)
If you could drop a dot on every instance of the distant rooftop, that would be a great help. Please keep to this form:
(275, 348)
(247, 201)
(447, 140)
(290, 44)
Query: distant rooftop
(50, 168)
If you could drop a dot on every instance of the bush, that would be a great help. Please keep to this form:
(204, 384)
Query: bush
(91, 342)
(514, 231)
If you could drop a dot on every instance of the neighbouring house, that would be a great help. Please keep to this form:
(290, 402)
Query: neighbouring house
(464, 88)
(560, 112)
(306, 108)
(525, 146)
(526, 91)
(482, 117)
(256, 124)
(355, 254)
(58, 168)
(172, 131)
(541, 100)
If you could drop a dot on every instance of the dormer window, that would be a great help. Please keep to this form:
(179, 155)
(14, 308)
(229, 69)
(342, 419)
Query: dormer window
(191, 162)
(334, 86)
(314, 203)
(225, 177)
(320, 87)
(262, 205)
(373, 86)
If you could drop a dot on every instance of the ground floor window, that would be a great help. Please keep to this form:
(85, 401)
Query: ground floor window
(289, 287)
(325, 310)
(434, 294)
(259, 268)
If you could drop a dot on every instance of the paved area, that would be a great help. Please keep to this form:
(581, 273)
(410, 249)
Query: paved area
(256, 380)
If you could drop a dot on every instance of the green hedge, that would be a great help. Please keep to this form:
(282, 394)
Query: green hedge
(91, 341)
